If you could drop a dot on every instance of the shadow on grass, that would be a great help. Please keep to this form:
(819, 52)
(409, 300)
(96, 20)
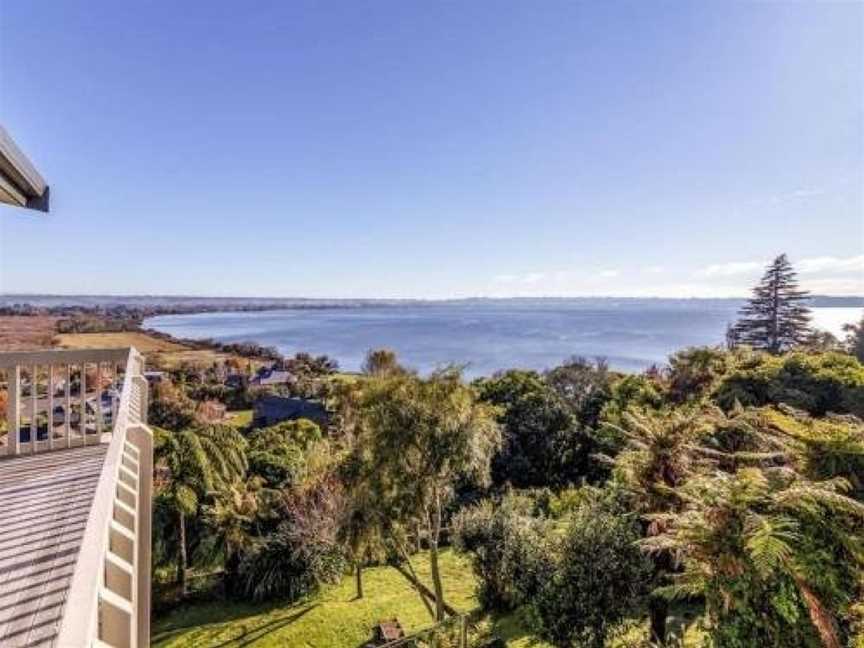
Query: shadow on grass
(512, 627)
(247, 637)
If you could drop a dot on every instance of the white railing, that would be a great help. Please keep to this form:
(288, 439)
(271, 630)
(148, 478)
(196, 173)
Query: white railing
(108, 601)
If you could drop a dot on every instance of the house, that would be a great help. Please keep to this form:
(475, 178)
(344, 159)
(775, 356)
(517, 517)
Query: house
(271, 377)
(154, 377)
(270, 410)
(236, 381)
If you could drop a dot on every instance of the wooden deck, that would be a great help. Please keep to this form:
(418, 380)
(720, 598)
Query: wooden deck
(45, 500)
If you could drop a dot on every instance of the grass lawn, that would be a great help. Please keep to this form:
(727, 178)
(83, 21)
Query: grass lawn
(241, 418)
(335, 619)
(332, 619)
(162, 353)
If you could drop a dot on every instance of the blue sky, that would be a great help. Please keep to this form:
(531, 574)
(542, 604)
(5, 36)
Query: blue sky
(428, 149)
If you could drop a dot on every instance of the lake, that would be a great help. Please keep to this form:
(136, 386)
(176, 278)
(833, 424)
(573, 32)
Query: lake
(487, 335)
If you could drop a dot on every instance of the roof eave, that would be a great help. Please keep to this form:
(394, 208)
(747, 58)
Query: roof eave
(21, 185)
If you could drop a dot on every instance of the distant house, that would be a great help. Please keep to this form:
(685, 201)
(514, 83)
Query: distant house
(270, 410)
(154, 377)
(271, 377)
(235, 380)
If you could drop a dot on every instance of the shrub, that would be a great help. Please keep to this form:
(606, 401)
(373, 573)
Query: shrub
(279, 453)
(506, 544)
(694, 372)
(817, 383)
(634, 391)
(303, 552)
(597, 577)
(287, 565)
(170, 408)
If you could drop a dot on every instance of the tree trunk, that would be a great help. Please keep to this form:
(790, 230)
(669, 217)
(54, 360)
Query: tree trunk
(181, 556)
(358, 576)
(658, 609)
(433, 560)
(232, 567)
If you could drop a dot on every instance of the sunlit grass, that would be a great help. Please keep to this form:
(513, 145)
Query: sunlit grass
(332, 619)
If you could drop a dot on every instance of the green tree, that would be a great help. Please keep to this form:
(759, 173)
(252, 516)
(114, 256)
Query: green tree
(381, 362)
(694, 372)
(598, 577)
(279, 453)
(361, 531)
(194, 463)
(235, 518)
(170, 408)
(775, 319)
(420, 437)
(855, 339)
(774, 555)
(815, 382)
(660, 454)
(584, 385)
(541, 440)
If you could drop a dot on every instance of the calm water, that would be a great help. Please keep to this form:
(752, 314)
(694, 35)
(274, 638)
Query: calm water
(487, 336)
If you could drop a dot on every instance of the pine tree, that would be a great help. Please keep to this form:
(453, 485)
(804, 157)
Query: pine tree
(775, 318)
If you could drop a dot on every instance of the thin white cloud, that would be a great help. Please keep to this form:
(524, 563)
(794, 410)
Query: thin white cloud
(801, 193)
(826, 275)
(523, 279)
(806, 193)
(731, 269)
(830, 265)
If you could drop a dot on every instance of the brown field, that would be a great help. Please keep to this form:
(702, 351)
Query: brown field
(159, 353)
(26, 333)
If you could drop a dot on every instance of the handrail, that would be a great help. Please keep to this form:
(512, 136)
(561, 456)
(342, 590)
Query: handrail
(108, 600)
(63, 356)
(82, 409)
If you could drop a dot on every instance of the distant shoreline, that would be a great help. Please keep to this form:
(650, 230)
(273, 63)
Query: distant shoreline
(171, 304)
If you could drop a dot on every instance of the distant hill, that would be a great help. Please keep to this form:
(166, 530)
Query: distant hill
(192, 302)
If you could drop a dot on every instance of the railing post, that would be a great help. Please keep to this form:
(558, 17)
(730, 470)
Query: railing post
(50, 397)
(142, 439)
(67, 407)
(13, 409)
(34, 408)
(82, 399)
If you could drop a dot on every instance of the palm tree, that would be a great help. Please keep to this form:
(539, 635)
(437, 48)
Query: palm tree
(746, 539)
(235, 517)
(195, 463)
(661, 452)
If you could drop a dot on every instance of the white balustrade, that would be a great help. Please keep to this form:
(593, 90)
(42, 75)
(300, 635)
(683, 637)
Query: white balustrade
(69, 398)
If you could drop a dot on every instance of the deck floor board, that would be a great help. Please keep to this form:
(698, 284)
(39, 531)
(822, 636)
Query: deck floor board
(45, 500)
